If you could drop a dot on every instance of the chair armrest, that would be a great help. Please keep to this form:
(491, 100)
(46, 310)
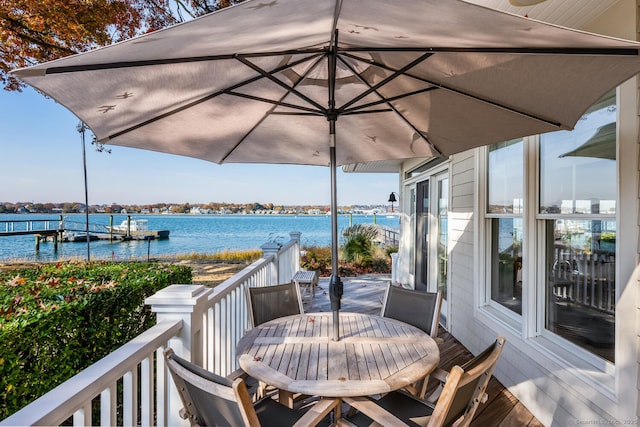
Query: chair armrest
(373, 411)
(238, 373)
(440, 375)
(318, 411)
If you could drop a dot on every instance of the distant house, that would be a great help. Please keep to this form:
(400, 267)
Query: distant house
(195, 210)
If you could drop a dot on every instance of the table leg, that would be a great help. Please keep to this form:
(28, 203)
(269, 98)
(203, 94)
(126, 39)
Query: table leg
(285, 398)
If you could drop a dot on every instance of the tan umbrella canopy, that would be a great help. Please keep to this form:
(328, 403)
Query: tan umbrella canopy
(335, 82)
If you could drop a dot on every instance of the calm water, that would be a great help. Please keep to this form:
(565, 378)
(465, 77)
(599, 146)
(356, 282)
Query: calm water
(189, 233)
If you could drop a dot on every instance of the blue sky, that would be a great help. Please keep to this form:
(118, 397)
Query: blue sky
(41, 161)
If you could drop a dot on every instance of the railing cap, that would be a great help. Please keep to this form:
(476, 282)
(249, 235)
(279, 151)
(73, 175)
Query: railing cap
(174, 296)
(270, 248)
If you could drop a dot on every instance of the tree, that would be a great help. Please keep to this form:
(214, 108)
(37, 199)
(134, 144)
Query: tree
(35, 31)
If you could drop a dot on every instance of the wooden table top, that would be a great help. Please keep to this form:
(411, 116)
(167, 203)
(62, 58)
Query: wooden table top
(374, 354)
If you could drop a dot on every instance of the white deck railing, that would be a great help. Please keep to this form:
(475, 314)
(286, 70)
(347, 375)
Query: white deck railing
(131, 386)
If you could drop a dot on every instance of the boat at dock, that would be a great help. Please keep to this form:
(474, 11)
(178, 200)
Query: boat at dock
(137, 229)
(78, 236)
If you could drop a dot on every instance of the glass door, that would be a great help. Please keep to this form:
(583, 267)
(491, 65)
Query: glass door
(441, 272)
(422, 236)
(432, 247)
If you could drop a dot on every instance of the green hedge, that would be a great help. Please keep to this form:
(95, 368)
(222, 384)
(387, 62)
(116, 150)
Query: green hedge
(57, 319)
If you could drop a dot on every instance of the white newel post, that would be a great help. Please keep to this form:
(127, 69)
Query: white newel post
(186, 303)
(269, 249)
(295, 235)
(394, 268)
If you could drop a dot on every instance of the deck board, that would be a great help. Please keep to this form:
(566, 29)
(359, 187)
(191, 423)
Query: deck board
(364, 295)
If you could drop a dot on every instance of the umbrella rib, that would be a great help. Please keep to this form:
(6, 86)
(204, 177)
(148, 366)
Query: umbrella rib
(437, 85)
(229, 90)
(605, 51)
(309, 110)
(355, 110)
(142, 63)
(270, 76)
(395, 110)
(384, 81)
(168, 61)
(271, 111)
(540, 50)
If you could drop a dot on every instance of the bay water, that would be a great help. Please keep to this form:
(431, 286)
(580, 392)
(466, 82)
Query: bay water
(202, 234)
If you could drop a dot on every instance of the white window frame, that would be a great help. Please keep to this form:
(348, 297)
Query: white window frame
(572, 364)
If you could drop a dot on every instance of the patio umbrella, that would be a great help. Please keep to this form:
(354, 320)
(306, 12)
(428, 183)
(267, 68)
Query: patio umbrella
(337, 82)
(601, 145)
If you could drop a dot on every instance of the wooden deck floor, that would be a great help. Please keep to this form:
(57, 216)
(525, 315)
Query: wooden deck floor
(364, 295)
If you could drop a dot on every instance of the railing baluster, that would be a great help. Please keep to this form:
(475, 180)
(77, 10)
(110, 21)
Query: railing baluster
(216, 336)
(130, 398)
(211, 313)
(234, 327)
(161, 388)
(82, 417)
(108, 405)
(146, 391)
(224, 343)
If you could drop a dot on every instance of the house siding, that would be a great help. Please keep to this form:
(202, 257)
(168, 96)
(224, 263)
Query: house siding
(558, 388)
(461, 242)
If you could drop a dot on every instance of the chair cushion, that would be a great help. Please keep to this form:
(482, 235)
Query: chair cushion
(409, 409)
(273, 414)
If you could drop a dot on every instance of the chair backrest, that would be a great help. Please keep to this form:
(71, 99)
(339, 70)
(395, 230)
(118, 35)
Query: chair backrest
(270, 302)
(209, 399)
(465, 388)
(417, 308)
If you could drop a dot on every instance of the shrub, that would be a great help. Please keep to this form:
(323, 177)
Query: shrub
(58, 319)
(359, 243)
(317, 258)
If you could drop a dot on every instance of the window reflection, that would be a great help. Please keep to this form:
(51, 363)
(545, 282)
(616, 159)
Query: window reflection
(506, 259)
(506, 177)
(578, 168)
(581, 283)
(578, 177)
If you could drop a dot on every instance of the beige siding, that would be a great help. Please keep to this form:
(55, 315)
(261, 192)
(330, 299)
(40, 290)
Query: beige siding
(461, 243)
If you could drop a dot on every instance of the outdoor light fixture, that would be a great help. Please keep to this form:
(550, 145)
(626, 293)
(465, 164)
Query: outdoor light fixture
(392, 199)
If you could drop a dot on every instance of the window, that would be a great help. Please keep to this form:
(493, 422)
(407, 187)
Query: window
(577, 215)
(505, 189)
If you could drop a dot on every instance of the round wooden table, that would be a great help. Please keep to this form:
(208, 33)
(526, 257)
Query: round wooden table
(374, 355)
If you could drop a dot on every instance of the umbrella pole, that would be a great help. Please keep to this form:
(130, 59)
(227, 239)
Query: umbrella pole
(335, 284)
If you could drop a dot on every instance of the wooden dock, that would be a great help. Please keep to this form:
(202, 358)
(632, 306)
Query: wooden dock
(364, 294)
(64, 230)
